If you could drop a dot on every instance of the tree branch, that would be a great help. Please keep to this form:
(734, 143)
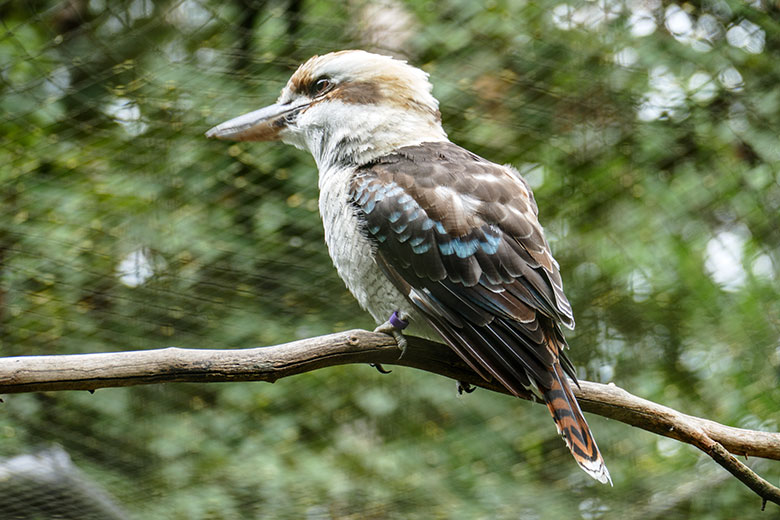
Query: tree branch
(93, 371)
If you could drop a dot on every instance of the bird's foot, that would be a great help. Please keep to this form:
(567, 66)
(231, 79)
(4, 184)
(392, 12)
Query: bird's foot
(379, 368)
(397, 322)
(465, 388)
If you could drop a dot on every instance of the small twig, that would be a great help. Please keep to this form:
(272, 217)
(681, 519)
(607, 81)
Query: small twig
(93, 371)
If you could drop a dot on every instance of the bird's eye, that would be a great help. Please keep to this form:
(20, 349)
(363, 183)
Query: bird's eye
(321, 86)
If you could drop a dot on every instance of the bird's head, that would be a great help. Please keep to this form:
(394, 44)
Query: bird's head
(345, 107)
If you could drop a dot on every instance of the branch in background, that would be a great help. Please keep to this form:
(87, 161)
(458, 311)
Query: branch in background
(93, 371)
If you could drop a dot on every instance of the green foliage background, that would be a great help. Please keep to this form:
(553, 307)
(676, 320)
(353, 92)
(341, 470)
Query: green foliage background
(656, 164)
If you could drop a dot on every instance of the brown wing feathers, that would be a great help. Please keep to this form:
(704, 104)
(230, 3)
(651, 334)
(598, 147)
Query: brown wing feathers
(459, 236)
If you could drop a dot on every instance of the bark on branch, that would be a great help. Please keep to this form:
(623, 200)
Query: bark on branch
(93, 371)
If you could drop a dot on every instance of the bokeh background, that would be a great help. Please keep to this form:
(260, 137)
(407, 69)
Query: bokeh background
(648, 129)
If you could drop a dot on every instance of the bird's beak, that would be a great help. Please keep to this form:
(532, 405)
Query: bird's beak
(260, 125)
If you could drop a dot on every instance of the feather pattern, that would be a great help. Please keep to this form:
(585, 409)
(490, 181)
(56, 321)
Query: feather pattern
(459, 237)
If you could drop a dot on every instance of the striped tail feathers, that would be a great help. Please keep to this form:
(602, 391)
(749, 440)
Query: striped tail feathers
(573, 428)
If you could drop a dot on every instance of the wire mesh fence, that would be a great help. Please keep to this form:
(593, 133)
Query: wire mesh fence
(648, 130)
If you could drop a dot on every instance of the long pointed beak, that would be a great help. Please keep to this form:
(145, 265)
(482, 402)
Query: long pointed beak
(260, 125)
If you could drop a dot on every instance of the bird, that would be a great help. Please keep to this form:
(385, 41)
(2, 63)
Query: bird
(430, 238)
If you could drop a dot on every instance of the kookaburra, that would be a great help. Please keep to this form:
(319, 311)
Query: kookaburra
(426, 233)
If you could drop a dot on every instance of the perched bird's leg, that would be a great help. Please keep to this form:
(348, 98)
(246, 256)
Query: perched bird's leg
(397, 322)
(465, 388)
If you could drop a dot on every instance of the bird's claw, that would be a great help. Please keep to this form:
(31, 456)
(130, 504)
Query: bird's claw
(380, 368)
(465, 388)
(393, 327)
